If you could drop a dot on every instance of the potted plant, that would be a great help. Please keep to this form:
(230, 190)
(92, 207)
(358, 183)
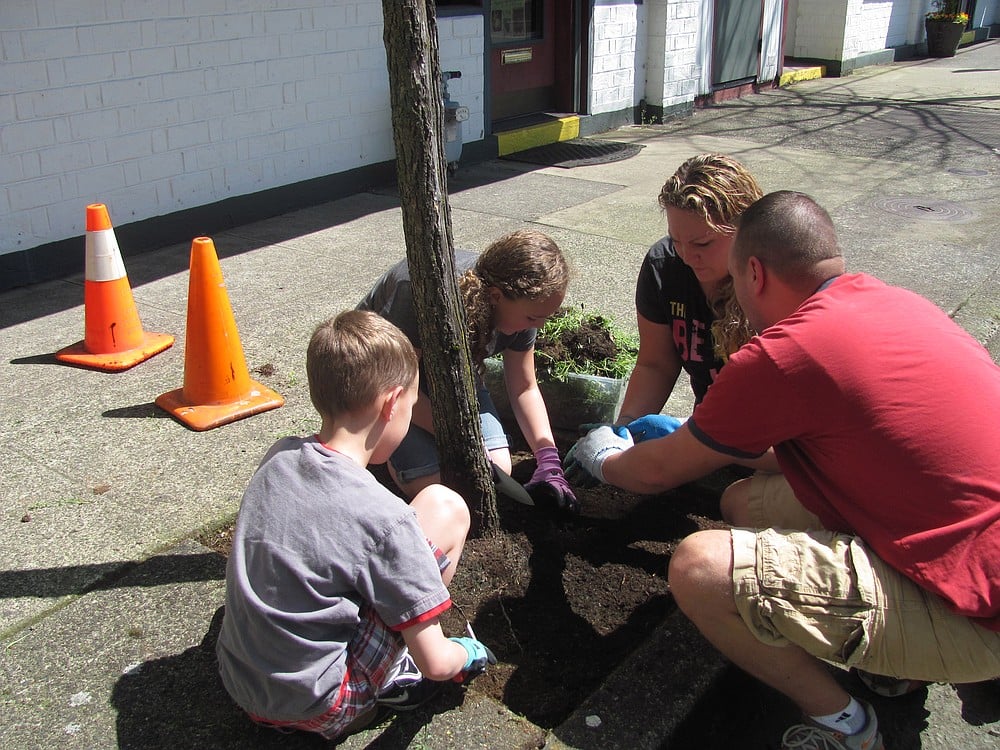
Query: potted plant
(945, 27)
(582, 361)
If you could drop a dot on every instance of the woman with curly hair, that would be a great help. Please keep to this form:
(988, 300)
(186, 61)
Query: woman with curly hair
(508, 292)
(687, 312)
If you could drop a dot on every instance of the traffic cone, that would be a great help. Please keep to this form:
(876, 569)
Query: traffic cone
(113, 338)
(217, 387)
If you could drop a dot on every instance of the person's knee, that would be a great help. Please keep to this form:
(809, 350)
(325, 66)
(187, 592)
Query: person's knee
(445, 509)
(735, 503)
(701, 562)
(457, 511)
(501, 457)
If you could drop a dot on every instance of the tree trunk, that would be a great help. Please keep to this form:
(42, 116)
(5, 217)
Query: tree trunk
(417, 122)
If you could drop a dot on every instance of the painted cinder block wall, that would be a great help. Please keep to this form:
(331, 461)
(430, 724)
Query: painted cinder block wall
(617, 65)
(674, 70)
(163, 107)
(848, 34)
(157, 107)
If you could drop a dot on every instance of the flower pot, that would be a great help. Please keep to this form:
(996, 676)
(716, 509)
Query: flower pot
(943, 37)
(577, 400)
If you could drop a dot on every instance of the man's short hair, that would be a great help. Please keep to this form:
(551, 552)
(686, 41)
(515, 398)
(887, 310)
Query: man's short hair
(354, 357)
(789, 233)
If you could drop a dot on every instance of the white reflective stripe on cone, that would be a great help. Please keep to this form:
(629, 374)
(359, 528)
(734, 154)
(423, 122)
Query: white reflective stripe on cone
(104, 259)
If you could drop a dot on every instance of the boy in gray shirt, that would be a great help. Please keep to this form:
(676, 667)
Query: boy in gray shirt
(334, 585)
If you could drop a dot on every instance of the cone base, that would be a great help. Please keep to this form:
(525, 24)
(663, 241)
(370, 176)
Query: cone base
(202, 417)
(152, 344)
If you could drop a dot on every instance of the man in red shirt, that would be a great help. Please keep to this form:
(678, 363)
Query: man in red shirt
(878, 546)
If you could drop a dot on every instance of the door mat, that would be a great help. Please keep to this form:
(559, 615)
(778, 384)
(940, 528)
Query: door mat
(578, 152)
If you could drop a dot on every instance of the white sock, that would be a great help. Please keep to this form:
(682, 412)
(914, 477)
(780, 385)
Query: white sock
(849, 720)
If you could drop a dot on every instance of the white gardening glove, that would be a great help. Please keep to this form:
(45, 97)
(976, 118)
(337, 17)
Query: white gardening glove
(584, 460)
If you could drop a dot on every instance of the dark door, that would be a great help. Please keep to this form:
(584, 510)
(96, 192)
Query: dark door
(522, 57)
(736, 43)
(535, 50)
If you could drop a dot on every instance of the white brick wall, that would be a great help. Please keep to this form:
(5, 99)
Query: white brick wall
(845, 29)
(617, 56)
(873, 25)
(153, 106)
(462, 47)
(817, 29)
(673, 62)
(656, 25)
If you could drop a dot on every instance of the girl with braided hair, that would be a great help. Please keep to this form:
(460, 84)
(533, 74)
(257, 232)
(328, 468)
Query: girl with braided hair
(508, 292)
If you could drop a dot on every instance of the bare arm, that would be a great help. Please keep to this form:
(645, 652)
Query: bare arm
(525, 398)
(422, 414)
(437, 657)
(659, 465)
(655, 374)
(656, 371)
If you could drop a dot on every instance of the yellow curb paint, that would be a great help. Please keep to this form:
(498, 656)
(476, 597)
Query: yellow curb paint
(802, 74)
(563, 129)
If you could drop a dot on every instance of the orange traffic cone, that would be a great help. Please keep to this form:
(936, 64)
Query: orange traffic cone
(113, 336)
(217, 387)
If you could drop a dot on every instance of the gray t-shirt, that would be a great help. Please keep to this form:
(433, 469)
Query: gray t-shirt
(392, 298)
(316, 537)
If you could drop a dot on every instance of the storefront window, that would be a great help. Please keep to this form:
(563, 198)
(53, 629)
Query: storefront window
(515, 21)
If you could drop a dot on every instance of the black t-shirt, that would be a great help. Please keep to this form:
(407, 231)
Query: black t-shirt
(667, 292)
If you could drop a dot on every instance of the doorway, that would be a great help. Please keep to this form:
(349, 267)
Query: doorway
(736, 42)
(535, 53)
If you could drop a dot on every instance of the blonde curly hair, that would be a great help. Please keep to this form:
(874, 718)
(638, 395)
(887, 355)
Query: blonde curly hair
(719, 189)
(525, 264)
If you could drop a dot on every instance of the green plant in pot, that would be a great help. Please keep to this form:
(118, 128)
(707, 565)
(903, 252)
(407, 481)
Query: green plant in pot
(582, 361)
(945, 26)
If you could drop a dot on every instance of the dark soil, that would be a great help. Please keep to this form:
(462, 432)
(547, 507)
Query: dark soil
(562, 601)
(590, 342)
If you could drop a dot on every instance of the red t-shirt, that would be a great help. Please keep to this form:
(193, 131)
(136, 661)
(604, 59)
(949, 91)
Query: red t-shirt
(885, 418)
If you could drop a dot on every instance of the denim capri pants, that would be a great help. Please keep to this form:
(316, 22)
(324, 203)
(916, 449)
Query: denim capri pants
(417, 457)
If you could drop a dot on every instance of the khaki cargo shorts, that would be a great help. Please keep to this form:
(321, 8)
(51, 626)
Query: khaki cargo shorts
(826, 593)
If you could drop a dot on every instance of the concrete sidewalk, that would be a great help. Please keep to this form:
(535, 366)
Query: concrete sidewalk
(105, 599)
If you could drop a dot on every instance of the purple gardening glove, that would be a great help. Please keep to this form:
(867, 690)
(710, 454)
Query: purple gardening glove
(548, 486)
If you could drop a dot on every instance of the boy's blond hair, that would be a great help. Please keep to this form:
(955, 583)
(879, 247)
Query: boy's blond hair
(353, 358)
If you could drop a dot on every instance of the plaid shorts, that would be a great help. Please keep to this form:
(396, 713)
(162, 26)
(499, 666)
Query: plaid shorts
(371, 653)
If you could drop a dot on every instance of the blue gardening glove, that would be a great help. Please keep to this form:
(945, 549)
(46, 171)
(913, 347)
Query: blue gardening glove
(479, 656)
(548, 486)
(653, 426)
(583, 462)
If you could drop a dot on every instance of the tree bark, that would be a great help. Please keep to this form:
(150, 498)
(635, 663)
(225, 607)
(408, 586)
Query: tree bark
(411, 46)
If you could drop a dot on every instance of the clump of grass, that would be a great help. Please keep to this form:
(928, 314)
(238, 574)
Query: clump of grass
(574, 341)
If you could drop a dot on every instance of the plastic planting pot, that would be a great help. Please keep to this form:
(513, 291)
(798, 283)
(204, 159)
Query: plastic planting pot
(571, 402)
